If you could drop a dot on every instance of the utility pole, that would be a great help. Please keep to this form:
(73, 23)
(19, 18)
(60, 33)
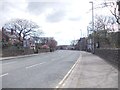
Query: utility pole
(87, 31)
(118, 3)
(80, 33)
(93, 44)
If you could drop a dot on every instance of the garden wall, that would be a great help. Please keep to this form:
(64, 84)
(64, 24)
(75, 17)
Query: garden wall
(16, 52)
(111, 55)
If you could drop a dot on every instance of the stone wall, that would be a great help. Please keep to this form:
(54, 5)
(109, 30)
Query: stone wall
(15, 52)
(111, 55)
(43, 50)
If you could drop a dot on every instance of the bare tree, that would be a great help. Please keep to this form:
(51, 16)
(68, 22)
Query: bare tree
(44, 40)
(52, 43)
(22, 27)
(74, 42)
(104, 23)
(116, 9)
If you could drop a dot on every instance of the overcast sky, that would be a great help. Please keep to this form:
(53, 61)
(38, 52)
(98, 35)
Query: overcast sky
(65, 20)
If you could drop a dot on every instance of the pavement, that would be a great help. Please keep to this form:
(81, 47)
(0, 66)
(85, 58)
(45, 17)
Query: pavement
(14, 57)
(91, 71)
(39, 71)
(20, 56)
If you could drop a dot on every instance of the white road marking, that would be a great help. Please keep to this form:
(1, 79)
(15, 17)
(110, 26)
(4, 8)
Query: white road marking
(61, 83)
(4, 75)
(8, 63)
(56, 87)
(42, 53)
(35, 65)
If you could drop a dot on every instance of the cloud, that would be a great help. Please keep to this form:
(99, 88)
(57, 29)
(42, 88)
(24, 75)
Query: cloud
(41, 7)
(54, 11)
(37, 7)
(10, 8)
(4, 11)
(56, 17)
(75, 18)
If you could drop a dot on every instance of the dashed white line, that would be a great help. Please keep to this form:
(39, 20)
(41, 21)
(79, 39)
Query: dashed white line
(63, 84)
(35, 65)
(4, 75)
(9, 63)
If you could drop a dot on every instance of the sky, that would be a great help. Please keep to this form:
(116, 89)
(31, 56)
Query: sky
(65, 20)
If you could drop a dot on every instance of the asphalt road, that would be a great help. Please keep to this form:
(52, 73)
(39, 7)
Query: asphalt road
(41, 71)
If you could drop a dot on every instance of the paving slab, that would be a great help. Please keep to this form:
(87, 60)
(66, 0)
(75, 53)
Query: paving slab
(92, 71)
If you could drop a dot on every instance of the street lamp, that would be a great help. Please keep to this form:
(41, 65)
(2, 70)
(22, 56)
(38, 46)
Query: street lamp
(93, 46)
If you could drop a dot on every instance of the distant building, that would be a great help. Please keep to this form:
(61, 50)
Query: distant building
(62, 47)
(81, 44)
(29, 43)
(70, 47)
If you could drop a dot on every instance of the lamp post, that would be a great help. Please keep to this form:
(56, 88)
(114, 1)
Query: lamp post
(93, 45)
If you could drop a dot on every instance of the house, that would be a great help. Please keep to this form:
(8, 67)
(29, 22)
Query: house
(30, 42)
(9, 36)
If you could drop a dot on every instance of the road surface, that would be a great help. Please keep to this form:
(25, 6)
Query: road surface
(41, 71)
